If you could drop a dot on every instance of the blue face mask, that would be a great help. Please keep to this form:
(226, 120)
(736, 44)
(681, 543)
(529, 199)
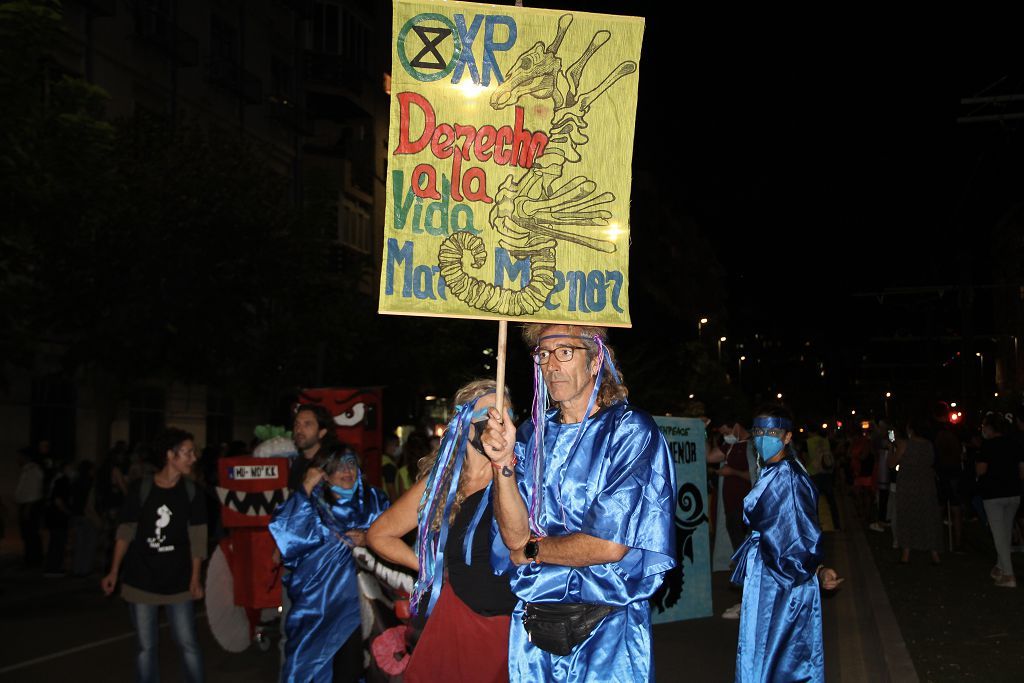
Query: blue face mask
(344, 494)
(768, 446)
(479, 422)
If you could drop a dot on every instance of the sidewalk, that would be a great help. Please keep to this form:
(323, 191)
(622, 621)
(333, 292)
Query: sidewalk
(958, 626)
(21, 587)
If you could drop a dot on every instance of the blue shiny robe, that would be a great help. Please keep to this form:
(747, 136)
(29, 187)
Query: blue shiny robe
(322, 582)
(619, 485)
(780, 621)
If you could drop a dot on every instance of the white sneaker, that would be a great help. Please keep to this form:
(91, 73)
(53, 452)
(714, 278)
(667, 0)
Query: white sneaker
(1006, 581)
(733, 612)
(875, 526)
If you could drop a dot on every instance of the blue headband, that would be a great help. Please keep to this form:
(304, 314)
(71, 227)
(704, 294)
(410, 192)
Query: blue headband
(773, 423)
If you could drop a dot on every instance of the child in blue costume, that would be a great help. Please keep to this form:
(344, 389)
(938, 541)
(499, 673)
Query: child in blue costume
(779, 564)
(315, 530)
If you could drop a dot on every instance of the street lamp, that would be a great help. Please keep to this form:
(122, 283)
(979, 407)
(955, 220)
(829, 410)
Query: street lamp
(700, 325)
(739, 373)
(779, 395)
(720, 340)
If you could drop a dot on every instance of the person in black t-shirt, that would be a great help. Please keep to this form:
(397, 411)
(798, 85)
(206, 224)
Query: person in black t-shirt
(1000, 469)
(58, 520)
(161, 544)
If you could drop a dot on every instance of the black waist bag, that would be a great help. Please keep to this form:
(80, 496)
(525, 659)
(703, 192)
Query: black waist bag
(559, 627)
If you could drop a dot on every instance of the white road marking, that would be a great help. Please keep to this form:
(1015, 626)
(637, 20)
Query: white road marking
(80, 648)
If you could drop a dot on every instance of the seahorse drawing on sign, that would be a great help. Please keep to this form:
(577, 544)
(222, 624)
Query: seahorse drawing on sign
(535, 211)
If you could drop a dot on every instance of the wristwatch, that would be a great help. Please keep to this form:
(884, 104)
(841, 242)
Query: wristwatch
(531, 549)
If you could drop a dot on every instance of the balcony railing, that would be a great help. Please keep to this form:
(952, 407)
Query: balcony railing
(285, 111)
(100, 8)
(327, 69)
(158, 30)
(229, 74)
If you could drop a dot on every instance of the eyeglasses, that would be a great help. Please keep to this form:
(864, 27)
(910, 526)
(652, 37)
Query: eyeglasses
(563, 354)
(777, 432)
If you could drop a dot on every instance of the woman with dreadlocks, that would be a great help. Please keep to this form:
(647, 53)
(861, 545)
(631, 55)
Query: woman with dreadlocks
(466, 634)
(315, 530)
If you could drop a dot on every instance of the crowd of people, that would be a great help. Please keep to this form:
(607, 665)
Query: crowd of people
(918, 479)
(535, 549)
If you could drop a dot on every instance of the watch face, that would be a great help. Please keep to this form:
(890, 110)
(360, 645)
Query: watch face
(531, 549)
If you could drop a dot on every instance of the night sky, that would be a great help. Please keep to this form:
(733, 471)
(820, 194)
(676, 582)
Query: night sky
(821, 157)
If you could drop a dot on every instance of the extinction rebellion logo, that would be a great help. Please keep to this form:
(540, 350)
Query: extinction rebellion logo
(431, 46)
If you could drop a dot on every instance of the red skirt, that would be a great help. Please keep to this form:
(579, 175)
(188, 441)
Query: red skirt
(457, 644)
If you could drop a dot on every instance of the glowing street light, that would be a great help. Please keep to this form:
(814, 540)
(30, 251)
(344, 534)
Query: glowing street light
(779, 395)
(700, 326)
(720, 340)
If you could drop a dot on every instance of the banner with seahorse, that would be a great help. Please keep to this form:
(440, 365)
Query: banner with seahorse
(511, 147)
(686, 592)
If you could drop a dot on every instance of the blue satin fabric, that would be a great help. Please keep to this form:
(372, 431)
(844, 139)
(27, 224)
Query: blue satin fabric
(780, 620)
(322, 581)
(617, 484)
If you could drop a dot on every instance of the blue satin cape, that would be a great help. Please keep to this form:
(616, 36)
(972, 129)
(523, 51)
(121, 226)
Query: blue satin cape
(780, 621)
(617, 484)
(322, 581)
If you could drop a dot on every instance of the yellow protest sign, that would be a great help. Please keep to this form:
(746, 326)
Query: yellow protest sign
(509, 173)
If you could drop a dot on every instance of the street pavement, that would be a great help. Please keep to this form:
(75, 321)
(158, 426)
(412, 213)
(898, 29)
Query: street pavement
(949, 618)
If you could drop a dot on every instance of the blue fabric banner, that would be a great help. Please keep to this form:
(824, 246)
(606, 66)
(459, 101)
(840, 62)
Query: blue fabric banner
(686, 593)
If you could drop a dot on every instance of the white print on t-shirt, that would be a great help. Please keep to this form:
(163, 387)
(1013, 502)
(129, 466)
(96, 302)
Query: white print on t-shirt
(157, 540)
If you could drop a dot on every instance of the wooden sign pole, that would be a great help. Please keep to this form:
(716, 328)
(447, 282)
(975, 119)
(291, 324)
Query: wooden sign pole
(502, 343)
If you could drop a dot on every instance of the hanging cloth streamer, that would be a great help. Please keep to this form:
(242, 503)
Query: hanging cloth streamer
(439, 494)
(539, 417)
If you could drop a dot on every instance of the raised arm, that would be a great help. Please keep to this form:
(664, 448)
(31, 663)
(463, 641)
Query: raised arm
(385, 534)
(499, 441)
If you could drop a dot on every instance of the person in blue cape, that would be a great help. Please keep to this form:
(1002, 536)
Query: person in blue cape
(779, 564)
(584, 504)
(315, 530)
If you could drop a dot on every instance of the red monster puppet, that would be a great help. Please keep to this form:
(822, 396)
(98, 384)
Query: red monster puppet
(357, 423)
(243, 579)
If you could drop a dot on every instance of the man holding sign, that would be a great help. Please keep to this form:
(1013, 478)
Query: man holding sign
(584, 501)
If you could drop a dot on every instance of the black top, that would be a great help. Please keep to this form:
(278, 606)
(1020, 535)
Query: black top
(80, 489)
(1002, 480)
(476, 585)
(60, 490)
(159, 560)
(297, 471)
